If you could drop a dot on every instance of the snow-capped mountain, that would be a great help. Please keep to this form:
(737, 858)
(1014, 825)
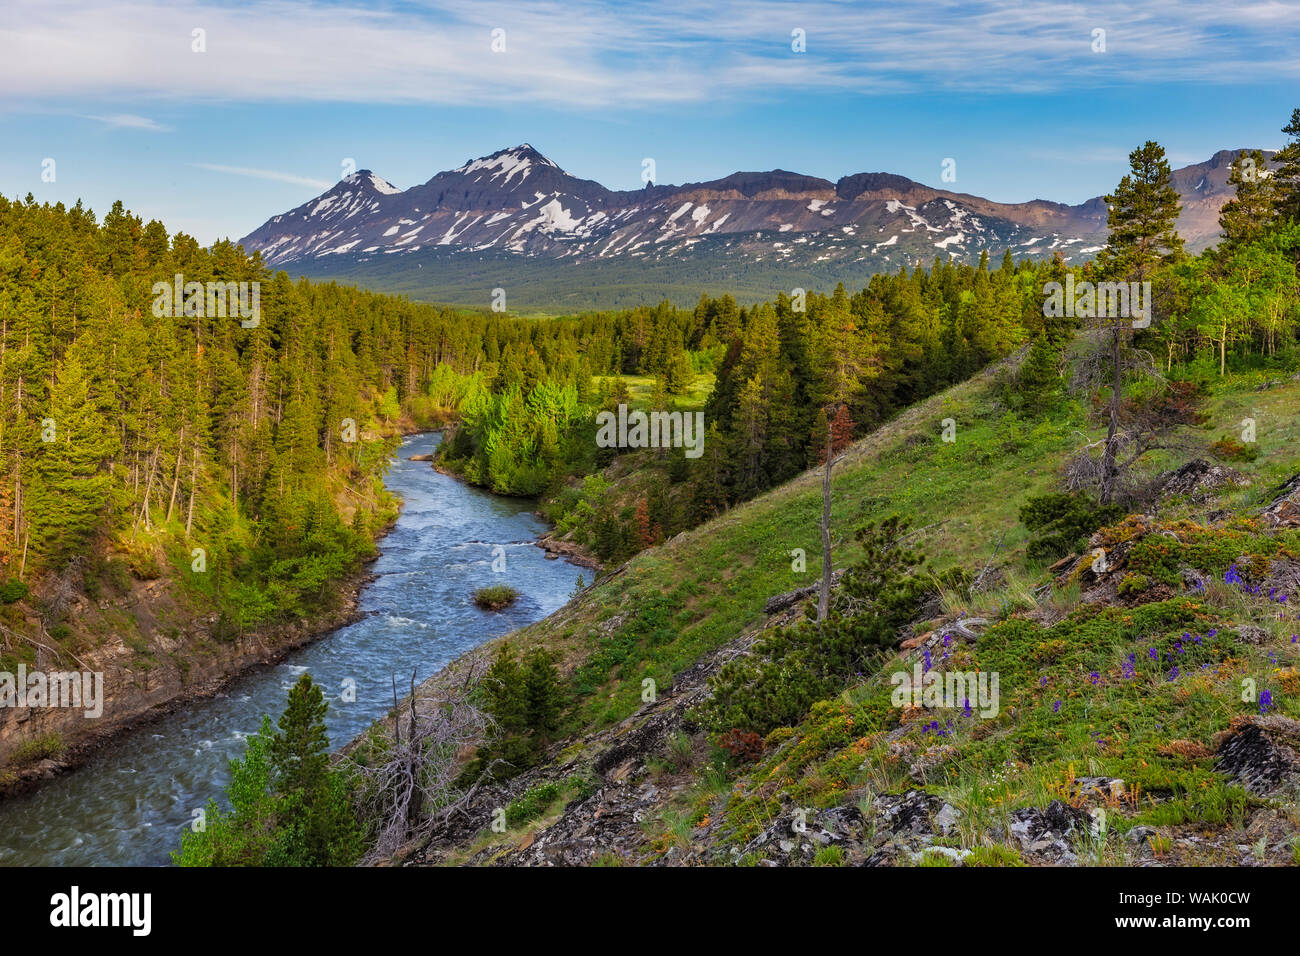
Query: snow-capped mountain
(516, 206)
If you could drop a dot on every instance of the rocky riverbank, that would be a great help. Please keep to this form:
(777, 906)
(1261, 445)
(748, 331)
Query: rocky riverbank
(158, 656)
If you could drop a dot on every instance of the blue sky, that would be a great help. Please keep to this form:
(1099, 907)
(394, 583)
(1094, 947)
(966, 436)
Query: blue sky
(216, 142)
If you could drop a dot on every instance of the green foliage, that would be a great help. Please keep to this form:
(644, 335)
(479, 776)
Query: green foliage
(526, 702)
(519, 441)
(495, 597)
(288, 806)
(796, 666)
(32, 751)
(996, 855)
(1038, 385)
(300, 750)
(532, 804)
(1062, 522)
(1142, 216)
(12, 591)
(830, 856)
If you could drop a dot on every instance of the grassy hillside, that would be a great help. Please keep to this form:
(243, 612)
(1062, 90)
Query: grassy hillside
(1081, 722)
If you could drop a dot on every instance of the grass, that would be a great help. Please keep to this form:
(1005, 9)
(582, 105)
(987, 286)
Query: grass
(700, 590)
(32, 751)
(641, 389)
(1068, 709)
(532, 804)
(495, 597)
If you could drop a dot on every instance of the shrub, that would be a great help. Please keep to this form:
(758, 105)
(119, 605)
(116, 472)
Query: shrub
(1228, 448)
(532, 803)
(742, 744)
(1133, 584)
(12, 591)
(797, 666)
(1062, 522)
(37, 749)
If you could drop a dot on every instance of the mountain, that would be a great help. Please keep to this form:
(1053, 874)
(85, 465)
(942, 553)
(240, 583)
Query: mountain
(516, 220)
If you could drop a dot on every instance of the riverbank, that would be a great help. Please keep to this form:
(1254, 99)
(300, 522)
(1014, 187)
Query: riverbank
(130, 801)
(142, 688)
(556, 547)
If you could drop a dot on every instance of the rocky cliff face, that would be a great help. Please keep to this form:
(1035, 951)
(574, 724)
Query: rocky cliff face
(155, 654)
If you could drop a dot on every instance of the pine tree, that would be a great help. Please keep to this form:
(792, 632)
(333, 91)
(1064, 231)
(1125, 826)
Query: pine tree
(1143, 221)
(1038, 382)
(1287, 176)
(71, 493)
(1143, 217)
(504, 693)
(1248, 214)
(300, 749)
(545, 700)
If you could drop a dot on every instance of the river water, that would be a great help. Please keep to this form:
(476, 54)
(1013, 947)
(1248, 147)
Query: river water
(130, 803)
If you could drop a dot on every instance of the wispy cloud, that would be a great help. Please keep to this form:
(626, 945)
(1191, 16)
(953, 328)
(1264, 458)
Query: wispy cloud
(130, 121)
(590, 54)
(263, 174)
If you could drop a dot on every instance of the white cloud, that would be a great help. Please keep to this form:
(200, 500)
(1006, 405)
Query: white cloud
(584, 53)
(129, 121)
(263, 174)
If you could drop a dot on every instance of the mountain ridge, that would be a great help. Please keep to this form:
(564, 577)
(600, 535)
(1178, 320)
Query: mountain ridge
(511, 211)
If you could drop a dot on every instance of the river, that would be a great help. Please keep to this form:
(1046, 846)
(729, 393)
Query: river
(129, 804)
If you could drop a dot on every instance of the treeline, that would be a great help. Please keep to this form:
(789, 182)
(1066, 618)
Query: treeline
(243, 450)
(785, 368)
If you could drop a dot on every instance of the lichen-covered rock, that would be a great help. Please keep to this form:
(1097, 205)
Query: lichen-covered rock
(1262, 755)
(1050, 832)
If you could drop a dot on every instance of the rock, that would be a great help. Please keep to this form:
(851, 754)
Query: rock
(910, 812)
(946, 818)
(1048, 832)
(1262, 755)
(1100, 786)
(1253, 634)
(1284, 510)
(1140, 834)
(420, 458)
(563, 548)
(1199, 480)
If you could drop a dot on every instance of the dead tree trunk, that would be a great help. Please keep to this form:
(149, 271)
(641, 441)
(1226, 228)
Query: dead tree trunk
(824, 595)
(1109, 470)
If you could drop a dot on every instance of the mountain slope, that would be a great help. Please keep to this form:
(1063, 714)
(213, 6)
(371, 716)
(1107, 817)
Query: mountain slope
(639, 784)
(516, 220)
